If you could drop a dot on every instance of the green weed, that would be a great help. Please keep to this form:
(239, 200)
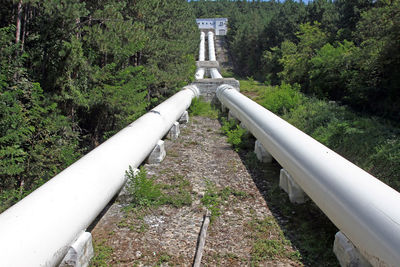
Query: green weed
(144, 191)
(214, 198)
(199, 107)
(163, 258)
(227, 73)
(238, 137)
(178, 192)
(102, 254)
(270, 242)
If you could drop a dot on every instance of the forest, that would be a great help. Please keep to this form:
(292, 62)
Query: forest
(341, 50)
(330, 68)
(73, 73)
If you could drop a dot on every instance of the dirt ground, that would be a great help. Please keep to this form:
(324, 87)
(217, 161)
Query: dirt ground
(167, 235)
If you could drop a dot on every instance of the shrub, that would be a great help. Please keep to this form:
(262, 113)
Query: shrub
(144, 191)
(282, 99)
(237, 136)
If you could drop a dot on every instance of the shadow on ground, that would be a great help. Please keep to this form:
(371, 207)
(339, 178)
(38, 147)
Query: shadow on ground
(305, 225)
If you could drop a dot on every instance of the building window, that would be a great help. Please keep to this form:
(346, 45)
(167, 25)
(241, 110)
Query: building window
(221, 23)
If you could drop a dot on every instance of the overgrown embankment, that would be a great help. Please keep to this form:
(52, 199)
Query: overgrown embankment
(372, 143)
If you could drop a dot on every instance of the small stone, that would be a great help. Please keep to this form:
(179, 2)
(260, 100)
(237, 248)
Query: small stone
(138, 254)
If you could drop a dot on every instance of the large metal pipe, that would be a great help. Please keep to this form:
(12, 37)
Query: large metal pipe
(211, 52)
(362, 207)
(200, 73)
(38, 230)
(211, 48)
(215, 73)
(202, 46)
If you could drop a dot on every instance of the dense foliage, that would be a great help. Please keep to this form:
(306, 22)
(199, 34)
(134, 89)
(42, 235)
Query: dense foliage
(72, 73)
(341, 50)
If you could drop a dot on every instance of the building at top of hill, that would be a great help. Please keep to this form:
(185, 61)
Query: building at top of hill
(218, 25)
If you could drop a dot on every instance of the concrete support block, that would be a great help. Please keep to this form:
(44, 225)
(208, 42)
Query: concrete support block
(184, 117)
(347, 254)
(261, 153)
(174, 132)
(80, 252)
(231, 116)
(158, 154)
(223, 108)
(287, 183)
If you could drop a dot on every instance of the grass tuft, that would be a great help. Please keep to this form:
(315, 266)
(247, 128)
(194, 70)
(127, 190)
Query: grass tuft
(214, 198)
(146, 193)
(270, 242)
(199, 107)
(102, 254)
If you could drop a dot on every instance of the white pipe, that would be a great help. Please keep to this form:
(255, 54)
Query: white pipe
(202, 46)
(211, 52)
(366, 210)
(211, 49)
(38, 230)
(215, 73)
(200, 73)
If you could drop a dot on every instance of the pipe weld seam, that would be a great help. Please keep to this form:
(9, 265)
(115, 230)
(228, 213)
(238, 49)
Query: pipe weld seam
(194, 89)
(222, 88)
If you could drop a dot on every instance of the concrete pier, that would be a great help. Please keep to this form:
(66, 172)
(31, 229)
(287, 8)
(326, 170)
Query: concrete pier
(287, 183)
(347, 254)
(262, 154)
(158, 154)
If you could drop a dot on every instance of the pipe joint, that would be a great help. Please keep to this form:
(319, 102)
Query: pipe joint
(194, 89)
(222, 88)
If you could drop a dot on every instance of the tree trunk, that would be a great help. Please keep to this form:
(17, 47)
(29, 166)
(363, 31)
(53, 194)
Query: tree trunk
(24, 27)
(78, 32)
(19, 18)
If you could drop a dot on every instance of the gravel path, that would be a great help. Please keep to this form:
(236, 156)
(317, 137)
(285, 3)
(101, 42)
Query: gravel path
(167, 236)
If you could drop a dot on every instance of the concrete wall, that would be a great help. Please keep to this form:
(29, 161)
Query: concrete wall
(218, 25)
(208, 87)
